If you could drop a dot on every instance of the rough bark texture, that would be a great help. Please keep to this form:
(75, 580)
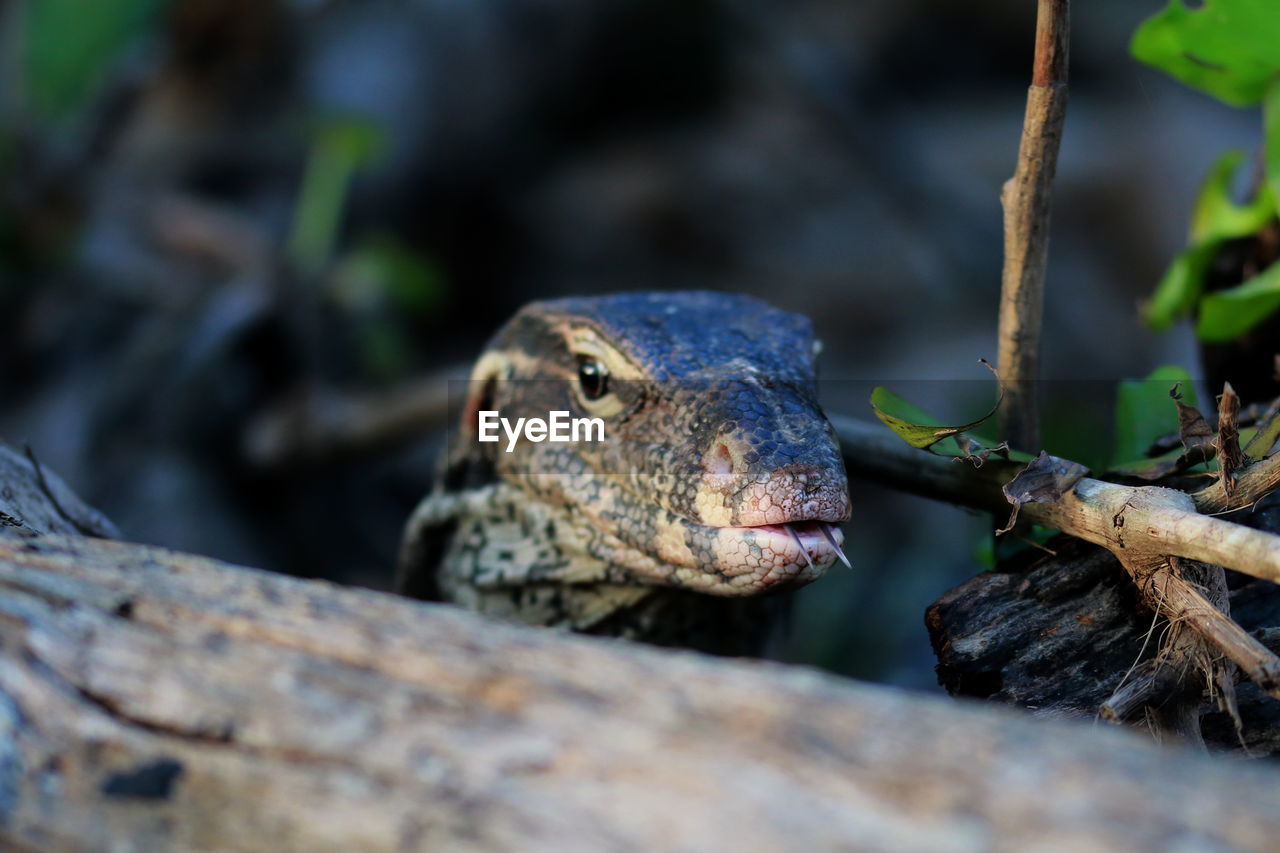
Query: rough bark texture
(154, 701)
(151, 700)
(1025, 198)
(34, 500)
(1064, 634)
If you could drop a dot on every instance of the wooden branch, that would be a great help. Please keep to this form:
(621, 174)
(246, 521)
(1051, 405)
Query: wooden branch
(168, 702)
(1025, 199)
(1160, 521)
(1147, 529)
(1252, 483)
(872, 452)
(1253, 658)
(1153, 522)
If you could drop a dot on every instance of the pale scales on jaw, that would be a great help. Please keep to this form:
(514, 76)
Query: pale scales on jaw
(718, 473)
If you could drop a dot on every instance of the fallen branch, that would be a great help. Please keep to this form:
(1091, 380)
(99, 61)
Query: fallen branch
(1158, 520)
(1252, 483)
(172, 702)
(1147, 528)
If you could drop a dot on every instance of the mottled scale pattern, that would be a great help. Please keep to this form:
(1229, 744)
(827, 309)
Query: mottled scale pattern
(716, 483)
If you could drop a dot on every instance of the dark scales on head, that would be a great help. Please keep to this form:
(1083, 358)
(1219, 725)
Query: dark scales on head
(718, 482)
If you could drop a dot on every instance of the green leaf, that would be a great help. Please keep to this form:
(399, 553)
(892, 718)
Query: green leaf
(1260, 439)
(1143, 413)
(341, 146)
(1181, 285)
(1227, 314)
(382, 270)
(916, 427)
(1271, 129)
(1227, 48)
(70, 43)
(1216, 216)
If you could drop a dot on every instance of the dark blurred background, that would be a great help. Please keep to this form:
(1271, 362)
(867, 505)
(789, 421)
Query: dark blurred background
(244, 242)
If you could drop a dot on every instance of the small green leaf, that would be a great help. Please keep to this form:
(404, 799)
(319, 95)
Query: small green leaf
(383, 270)
(1143, 413)
(1181, 285)
(1226, 48)
(1227, 314)
(916, 427)
(1261, 438)
(1216, 216)
(341, 146)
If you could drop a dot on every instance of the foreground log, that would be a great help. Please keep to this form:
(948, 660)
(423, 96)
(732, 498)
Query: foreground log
(157, 701)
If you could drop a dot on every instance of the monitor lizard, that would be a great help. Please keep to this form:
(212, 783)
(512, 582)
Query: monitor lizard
(718, 481)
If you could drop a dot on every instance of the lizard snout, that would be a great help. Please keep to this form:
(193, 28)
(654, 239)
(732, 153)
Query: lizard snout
(749, 484)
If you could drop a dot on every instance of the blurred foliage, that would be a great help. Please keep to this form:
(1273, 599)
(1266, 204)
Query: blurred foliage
(1216, 219)
(386, 285)
(1228, 314)
(1144, 413)
(70, 44)
(1229, 49)
(341, 145)
(383, 266)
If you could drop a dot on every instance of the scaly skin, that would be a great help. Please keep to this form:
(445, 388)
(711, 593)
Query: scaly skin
(673, 527)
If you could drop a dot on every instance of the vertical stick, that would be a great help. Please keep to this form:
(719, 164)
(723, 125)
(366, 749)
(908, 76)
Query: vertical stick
(1025, 199)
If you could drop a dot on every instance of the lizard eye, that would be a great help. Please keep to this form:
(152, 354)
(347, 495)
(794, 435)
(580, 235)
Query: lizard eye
(593, 376)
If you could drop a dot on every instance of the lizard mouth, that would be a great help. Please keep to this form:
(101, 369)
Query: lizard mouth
(770, 557)
(812, 539)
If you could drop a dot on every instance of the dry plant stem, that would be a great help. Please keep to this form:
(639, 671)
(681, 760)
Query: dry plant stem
(1156, 520)
(1025, 199)
(1254, 659)
(1197, 649)
(1251, 484)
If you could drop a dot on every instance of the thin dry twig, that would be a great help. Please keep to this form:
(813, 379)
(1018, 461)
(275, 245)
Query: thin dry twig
(1025, 199)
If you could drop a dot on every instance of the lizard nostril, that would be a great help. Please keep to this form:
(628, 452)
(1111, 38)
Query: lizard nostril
(720, 461)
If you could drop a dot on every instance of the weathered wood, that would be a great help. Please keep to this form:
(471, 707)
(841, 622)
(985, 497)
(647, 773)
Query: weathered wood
(35, 500)
(151, 700)
(157, 701)
(1064, 634)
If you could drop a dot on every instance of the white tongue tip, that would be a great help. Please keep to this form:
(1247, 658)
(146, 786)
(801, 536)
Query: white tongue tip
(831, 537)
(795, 537)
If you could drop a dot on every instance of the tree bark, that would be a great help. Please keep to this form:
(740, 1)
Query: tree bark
(151, 700)
(170, 702)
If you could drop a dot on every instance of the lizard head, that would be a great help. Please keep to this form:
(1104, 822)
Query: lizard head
(716, 470)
